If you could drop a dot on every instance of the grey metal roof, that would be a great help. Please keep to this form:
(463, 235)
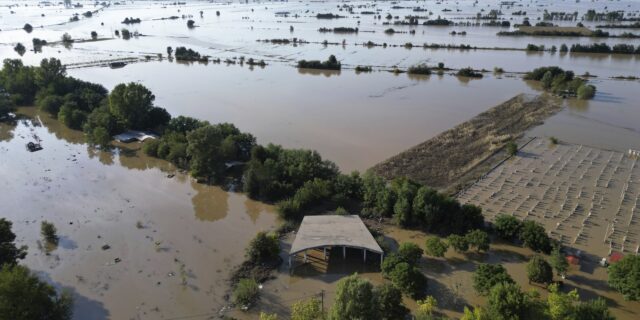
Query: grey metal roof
(333, 230)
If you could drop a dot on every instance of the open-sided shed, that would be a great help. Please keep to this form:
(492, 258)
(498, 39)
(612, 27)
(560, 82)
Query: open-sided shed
(330, 231)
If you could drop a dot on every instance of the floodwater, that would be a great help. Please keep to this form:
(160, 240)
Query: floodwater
(353, 119)
(172, 242)
(192, 235)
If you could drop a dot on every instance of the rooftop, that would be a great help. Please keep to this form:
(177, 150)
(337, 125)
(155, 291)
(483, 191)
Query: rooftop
(333, 230)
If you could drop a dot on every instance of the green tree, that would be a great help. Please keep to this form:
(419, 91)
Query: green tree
(507, 227)
(478, 239)
(507, 302)
(410, 253)
(558, 262)
(389, 302)
(561, 305)
(487, 276)
(436, 247)
(131, 104)
(354, 299)
(593, 310)
(9, 253)
(547, 80)
(309, 309)
(458, 243)
(624, 276)
(409, 279)
(267, 316)
(426, 307)
(389, 263)
(477, 313)
(534, 236)
(263, 248)
(207, 159)
(539, 270)
(50, 73)
(246, 292)
(23, 296)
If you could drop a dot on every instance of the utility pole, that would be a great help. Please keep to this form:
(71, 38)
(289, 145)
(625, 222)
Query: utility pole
(322, 300)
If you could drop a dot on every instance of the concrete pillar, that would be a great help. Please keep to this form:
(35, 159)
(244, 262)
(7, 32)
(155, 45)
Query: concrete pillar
(305, 256)
(344, 252)
(365, 255)
(381, 258)
(325, 253)
(289, 261)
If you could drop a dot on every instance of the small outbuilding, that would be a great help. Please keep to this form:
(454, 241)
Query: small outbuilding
(331, 231)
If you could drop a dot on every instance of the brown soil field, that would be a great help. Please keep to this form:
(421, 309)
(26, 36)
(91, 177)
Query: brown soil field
(460, 155)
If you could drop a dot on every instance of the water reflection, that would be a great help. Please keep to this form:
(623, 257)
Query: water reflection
(210, 203)
(317, 72)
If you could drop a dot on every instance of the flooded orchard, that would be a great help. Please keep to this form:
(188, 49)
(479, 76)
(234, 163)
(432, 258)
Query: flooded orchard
(140, 239)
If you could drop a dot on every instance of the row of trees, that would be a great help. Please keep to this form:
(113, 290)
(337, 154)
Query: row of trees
(620, 48)
(330, 64)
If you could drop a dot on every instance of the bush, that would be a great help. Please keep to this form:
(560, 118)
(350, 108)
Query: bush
(586, 91)
(487, 276)
(468, 72)
(409, 279)
(410, 253)
(624, 277)
(20, 49)
(458, 243)
(49, 232)
(389, 263)
(310, 309)
(94, 35)
(539, 270)
(507, 227)
(263, 248)
(436, 247)
(246, 292)
(419, 69)
(330, 64)
(191, 23)
(512, 148)
(478, 239)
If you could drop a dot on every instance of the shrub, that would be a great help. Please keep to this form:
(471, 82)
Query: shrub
(263, 248)
(410, 253)
(419, 69)
(586, 91)
(94, 35)
(553, 140)
(436, 247)
(389, 302)
(469, 72)
(478, 239)
(330, 64)
(458, 243)
(512, 148)
(49, 232)
(487, 276)
(246, 292)
(409, 279)
(539, 270)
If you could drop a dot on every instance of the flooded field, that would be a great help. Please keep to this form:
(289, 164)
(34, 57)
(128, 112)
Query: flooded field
(142, 240)
(587, 197)
(138, 240)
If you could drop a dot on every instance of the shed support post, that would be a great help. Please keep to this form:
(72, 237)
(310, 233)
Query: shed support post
(305, 256)
(344, 252)
(325, 253)
(381, 258)
(289, 261)
(365, 255)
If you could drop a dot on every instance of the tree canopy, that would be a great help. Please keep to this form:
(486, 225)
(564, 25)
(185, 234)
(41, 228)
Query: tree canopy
(624, 276)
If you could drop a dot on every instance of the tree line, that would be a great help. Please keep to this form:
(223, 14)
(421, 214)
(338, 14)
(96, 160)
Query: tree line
(561, 82)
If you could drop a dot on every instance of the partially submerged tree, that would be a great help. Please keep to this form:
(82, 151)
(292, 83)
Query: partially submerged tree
(487, 276)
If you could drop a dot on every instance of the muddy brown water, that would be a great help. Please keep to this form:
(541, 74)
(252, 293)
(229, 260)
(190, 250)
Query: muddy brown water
(176, 240)
(354, 120)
